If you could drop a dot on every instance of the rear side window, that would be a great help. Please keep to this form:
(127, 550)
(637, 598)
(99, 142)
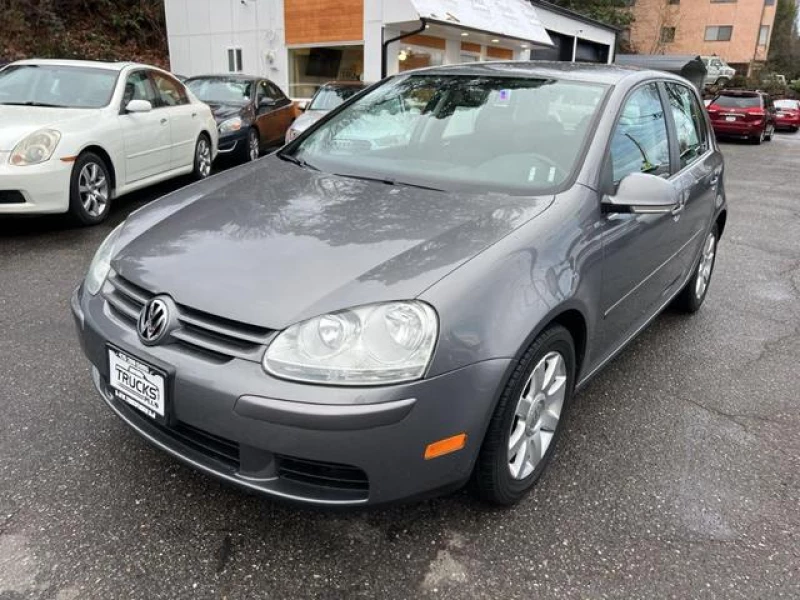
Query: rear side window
(170, 91)
(640, 143)
(689, 123)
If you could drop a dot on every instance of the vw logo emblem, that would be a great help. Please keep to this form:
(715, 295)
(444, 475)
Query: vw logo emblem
(154, 321)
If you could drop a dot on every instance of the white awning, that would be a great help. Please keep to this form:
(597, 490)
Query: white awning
(515, 19)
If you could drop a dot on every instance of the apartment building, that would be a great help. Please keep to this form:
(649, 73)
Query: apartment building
(738, 31)
(301, 44)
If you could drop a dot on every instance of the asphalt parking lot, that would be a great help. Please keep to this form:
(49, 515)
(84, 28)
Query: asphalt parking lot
(678, 474)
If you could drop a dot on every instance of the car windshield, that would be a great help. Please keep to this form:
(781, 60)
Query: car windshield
(738, 101)
(57, 86)
(328, 98)
(221, 90)
(787, 104)
(449, 132)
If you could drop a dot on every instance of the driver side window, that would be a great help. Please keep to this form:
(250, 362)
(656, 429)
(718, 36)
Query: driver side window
(640, 143)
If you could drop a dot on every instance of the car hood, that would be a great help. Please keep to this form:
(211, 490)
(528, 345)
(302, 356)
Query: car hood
(307, 119)
(226, 111)
(16, 122)
(272, 243)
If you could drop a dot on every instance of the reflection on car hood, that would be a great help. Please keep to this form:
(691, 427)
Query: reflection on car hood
(225, 111)
(16, 122)
(272, 243)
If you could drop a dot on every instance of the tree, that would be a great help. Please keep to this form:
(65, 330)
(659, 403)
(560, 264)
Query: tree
(784, 47)
(612, 12)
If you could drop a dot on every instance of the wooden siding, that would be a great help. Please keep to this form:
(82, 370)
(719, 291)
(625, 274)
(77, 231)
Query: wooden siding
(499, 53)
(323, 21)
(470, 47)
(424, 40)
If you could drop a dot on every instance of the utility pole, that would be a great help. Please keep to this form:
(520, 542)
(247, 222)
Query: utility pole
(575, 44)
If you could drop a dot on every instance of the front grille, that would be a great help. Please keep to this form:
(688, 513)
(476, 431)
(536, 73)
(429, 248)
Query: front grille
(322, 474)
(199, 332)
(11, 197)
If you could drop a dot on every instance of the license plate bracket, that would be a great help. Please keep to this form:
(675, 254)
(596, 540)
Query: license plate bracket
(139, 384)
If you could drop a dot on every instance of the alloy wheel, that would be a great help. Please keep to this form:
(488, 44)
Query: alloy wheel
(93, 189)
(203, 158)
(705, 266)
(255, 149)
(537, 415)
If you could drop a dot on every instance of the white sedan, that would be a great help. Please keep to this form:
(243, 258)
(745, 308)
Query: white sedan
(74, 135)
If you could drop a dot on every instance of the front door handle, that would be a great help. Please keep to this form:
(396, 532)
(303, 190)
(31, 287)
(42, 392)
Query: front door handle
(164, 121)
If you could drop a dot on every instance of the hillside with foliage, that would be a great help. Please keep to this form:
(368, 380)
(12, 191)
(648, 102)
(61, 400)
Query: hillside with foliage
(611, 12)
(93, 29)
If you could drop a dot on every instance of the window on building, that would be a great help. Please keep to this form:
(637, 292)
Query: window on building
(769, 2)
(723, 1)
(667, 35)
(719, 33)
(235, 60)
(310, 68)
(674, 1)
(640, 143)
(763, 35)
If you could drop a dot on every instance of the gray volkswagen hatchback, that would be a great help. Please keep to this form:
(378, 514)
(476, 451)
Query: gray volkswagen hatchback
(407, 296)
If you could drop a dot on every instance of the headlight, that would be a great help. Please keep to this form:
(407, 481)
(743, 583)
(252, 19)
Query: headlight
(37, 148)
(234, 124)
(101, 263)
(375, 344)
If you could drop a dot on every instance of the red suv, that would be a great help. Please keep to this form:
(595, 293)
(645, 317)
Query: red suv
(743, 113)
(788, 115)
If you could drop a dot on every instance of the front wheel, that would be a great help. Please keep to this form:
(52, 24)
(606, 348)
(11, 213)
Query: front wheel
(528, 420)
(90, 190)
(202, 158)
(692, 296)
(722, 82)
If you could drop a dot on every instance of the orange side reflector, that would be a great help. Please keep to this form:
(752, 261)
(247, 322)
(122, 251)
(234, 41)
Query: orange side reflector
(446, 446)
(69, 159)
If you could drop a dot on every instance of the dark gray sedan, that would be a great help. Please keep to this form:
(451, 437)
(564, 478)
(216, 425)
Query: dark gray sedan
(408, 295)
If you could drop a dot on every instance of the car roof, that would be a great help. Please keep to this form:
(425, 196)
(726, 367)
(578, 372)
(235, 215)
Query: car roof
(97, 64)
(234, 76)
(587, 72)
(344, 84)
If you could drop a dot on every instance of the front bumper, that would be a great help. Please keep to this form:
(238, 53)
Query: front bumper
(44, 188)
(311, 444)
(230, 142)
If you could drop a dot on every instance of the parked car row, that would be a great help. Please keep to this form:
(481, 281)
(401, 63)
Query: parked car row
(752, 114)
(75, 135)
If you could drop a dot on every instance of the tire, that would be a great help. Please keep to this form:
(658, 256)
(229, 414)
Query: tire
(202, 157)
(759, 139)
(90, 190)
(252, 149)
(694, 293)
(503, 476)
(722, 82)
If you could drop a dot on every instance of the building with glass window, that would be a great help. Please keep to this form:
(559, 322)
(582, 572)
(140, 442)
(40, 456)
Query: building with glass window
(301, 44)
(738, 31)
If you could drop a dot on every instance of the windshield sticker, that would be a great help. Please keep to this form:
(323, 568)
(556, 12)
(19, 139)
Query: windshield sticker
(503, 98)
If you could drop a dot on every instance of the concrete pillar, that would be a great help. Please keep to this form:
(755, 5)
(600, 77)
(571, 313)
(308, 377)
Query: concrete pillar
(452, 52)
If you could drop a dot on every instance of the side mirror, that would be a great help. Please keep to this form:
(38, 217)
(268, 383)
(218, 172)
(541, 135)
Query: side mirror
(641, 193)
(139, 106)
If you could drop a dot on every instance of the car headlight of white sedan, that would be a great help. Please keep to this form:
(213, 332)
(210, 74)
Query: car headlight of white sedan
(37, 148)
(101, 263)
(375, 344)
(230, 125)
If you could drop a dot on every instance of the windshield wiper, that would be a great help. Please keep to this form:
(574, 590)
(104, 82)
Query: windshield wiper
(297, 161)
(30, 103)
(389, 181)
